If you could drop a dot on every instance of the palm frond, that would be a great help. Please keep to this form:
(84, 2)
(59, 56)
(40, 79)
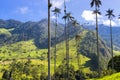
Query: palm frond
(56, 11)
(92, 3)
(97, 11)
(64, 17)
(75, 23)
(97, 3)
(69, 16)
(110, 13)
(119, 17)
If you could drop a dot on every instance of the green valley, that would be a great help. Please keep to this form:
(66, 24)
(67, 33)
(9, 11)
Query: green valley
(23, 51)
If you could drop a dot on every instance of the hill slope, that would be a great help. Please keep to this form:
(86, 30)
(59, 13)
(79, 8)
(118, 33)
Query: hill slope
(88, 47)
(29, 40)
(104, 32)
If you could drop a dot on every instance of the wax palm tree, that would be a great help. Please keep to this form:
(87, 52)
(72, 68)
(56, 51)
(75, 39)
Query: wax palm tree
(56, 13)
(97, 4)
(49, 41)
(67, 17)
(77, 39)
(75, 23)
(110, 17)
(97, 12)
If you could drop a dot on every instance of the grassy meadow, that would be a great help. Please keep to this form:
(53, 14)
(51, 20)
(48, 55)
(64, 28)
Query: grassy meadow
(21, 51)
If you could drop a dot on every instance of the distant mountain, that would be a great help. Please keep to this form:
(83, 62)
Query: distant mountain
(104, 32)
(37, 32)
(29, 30)
(9, 23)
(88, 47)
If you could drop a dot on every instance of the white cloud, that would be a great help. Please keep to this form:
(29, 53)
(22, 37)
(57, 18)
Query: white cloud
(24, 10)
(58, 3)
(53, 17)
(107, 23)
(89, 16)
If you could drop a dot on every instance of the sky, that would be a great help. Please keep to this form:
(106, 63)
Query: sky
(35, 10)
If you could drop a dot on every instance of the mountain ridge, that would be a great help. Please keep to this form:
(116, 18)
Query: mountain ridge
(37, 32)
(104, 33)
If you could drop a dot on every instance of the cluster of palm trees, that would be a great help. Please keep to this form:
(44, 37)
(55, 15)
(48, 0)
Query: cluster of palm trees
(110, 15)
(67, 18)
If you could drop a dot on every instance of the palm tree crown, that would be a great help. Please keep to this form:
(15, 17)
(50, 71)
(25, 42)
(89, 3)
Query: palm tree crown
(75, 23)
(110, 14)
(68, 16)
(56, 11)
(97, 12)
(97, 3)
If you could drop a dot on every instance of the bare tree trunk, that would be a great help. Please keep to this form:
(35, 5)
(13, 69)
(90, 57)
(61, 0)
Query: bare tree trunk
(55, 48)
(49, 42)
(97, 45)
(67, 49)
(67, 44)
(111, 44)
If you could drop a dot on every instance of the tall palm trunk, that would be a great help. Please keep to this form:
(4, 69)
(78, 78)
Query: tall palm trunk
(111, 44)
(67, 48)
(49, 41)
(98, 54)
(77, 39)
(110, 16)
(55, 48)
(66, 43)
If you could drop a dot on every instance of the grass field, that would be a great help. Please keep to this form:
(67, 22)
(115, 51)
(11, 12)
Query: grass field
(26, 49)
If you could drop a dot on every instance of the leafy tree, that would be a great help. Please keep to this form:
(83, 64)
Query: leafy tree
(79, 75)
(24, 71)
(35, 73)
(43, 76)
(5, 75)
(61, 72)
(110, 17)
(116, 63)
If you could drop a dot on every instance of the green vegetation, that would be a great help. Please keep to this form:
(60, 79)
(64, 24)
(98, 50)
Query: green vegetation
(4, 32)
(116, 63)
(22, 46)
(21, 51)
(24, 50)
(116, 53)
(115, 76)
